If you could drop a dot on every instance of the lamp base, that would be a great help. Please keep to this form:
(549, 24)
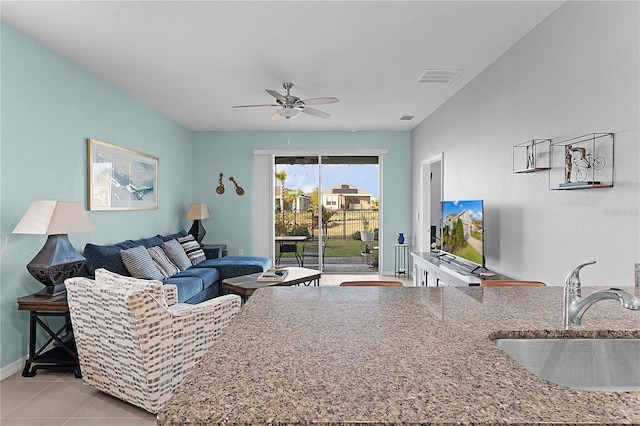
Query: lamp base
(198, 231)
(56, 262)
(52, 291)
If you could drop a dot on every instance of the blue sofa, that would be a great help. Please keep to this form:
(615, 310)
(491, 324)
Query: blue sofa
(195, 284)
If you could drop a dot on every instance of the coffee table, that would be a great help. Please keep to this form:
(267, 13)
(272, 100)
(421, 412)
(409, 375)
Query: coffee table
(245, 285)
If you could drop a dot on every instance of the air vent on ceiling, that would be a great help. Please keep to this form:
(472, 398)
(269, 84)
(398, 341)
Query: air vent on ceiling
(439, 76)
(407, 117)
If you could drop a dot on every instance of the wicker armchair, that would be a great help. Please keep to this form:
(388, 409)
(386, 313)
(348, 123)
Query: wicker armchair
(134, 341)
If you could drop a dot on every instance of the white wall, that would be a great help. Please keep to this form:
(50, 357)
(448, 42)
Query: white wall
(576, 73)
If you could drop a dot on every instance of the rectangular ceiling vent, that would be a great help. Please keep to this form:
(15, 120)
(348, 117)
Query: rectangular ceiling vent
(407, 117)
(439, 76)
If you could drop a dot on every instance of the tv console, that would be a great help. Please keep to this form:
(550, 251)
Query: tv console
(436, 269)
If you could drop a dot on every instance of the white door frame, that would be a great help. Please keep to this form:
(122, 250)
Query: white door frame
(264, 167)
(426, 199)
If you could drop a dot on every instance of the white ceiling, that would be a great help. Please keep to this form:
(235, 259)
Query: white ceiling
(194, 60)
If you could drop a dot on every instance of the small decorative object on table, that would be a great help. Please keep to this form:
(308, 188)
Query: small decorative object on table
(273, 275)
(401, 238)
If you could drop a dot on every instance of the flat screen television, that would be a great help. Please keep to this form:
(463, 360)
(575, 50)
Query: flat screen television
(462, 230)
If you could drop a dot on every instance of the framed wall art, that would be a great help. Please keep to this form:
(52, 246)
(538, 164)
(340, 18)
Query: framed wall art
(120, 178)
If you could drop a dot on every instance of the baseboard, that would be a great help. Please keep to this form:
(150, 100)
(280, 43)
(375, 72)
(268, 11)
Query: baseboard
(13, 368)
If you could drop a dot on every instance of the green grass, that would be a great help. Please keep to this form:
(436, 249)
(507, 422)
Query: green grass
(337, 248)
(346, 248)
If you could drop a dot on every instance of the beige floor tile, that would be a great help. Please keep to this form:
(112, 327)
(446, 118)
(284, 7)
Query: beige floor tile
(59, 421)
(59, 399)
(107, 406)
(14, 394)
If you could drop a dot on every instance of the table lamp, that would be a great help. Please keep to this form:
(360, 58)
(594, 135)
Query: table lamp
(197, 212)
(58, 259)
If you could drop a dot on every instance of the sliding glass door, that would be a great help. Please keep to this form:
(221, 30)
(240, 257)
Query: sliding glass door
(326, 212)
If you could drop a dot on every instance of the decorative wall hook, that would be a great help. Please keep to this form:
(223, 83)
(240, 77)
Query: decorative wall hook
(220, 188)
(239, 189)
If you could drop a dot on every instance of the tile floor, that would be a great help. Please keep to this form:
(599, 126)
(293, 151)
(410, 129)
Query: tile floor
(57, 398)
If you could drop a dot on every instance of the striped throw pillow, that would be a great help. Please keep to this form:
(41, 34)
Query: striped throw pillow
(166, 267)
(192, 248)
(139, 263)
(176, 253)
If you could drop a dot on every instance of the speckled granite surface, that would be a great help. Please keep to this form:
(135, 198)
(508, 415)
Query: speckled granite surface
(388, 355)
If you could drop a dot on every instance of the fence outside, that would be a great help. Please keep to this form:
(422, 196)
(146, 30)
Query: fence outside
(343, 224)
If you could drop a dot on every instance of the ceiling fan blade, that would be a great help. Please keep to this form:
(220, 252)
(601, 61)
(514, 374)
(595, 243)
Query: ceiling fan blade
(251, 106)
(276, 95)
(320, 101)
(275, 116)
(315, 112)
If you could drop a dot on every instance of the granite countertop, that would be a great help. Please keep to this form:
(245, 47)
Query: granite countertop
(389, 355)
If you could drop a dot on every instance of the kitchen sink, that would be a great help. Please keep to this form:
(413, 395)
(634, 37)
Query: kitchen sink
(581, 363)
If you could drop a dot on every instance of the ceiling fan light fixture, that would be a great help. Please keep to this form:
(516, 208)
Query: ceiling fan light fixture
(288, 112)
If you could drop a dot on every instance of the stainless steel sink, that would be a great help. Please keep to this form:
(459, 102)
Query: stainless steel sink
(581, 363)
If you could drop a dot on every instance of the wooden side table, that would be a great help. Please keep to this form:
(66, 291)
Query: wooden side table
(57, 352)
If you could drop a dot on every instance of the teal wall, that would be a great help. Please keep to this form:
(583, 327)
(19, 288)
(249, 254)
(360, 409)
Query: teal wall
(231, 153)
(49, 107)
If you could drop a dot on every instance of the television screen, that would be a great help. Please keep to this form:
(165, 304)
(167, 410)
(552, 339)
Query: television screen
(462, 228)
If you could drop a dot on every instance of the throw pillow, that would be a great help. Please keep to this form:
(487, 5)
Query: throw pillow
(176, 253)
(166, 267)
(193, 249)
(139, 263)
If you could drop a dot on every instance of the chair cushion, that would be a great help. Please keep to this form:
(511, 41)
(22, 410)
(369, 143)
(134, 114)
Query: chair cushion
(139, 263)
(176, 253)
(192, 248)
(162, 262)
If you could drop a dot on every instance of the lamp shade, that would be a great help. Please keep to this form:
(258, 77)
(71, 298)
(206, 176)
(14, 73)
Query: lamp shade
(57, 260)
(197, 211)
(54, 218)
(288, 112)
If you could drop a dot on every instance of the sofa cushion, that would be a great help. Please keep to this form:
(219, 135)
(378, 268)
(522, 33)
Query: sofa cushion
(162, 262)
(176, 253)
(209, 276)
(107, 257)
(235, 266)
(192, 248)
(188, 287)
(175, 236)
(139, 263)
(145, 242)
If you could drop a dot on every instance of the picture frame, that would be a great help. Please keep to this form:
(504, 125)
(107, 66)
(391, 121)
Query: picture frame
(120, 178)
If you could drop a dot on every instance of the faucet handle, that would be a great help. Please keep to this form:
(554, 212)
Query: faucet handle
(573, 279)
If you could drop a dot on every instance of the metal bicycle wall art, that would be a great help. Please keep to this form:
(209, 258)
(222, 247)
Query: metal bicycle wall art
(120, 178)
(582, 162)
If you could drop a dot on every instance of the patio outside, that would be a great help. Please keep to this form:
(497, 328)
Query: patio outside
(345, 251)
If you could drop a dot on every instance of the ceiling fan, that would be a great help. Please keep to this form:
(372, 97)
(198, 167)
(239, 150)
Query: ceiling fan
(291, 106)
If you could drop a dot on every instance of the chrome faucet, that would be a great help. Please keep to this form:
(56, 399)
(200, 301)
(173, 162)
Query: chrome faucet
(575, 306)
